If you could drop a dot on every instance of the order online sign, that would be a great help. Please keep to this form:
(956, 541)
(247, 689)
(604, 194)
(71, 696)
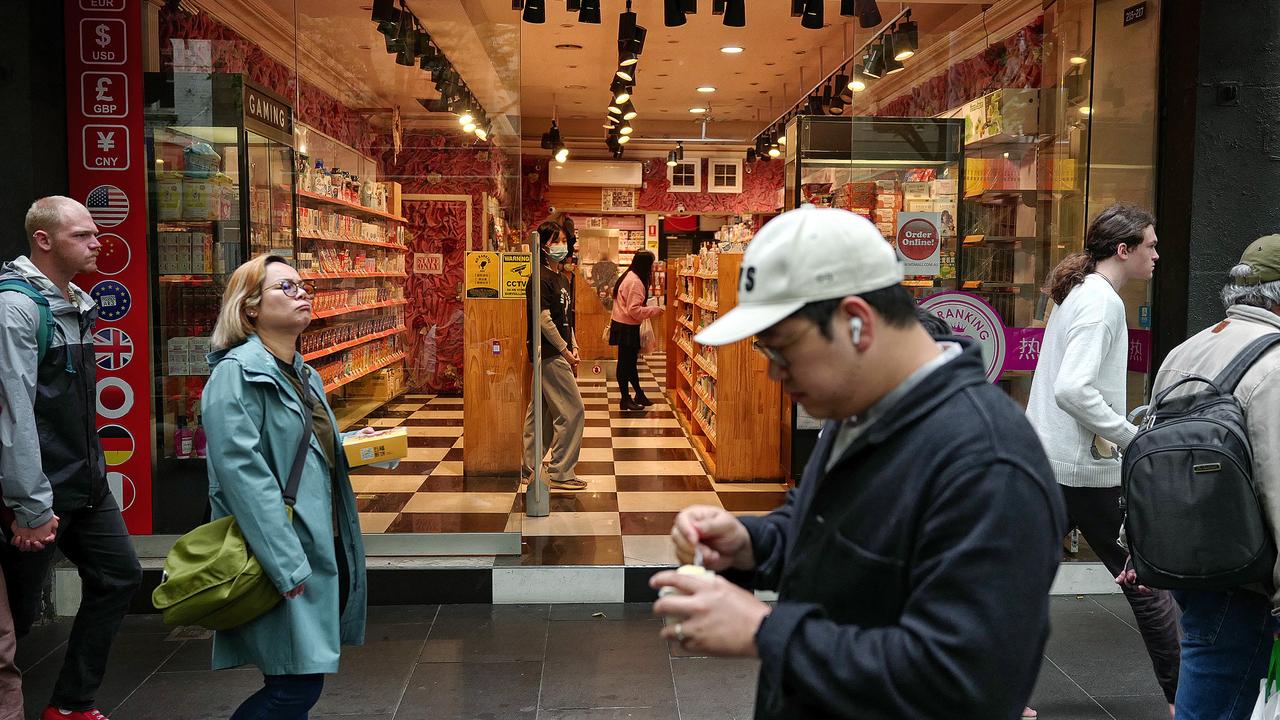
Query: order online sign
(105, 154)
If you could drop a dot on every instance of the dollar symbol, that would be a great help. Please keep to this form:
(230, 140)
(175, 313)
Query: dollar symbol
(104, 39)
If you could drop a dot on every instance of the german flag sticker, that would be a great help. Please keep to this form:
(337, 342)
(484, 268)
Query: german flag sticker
(117, 444)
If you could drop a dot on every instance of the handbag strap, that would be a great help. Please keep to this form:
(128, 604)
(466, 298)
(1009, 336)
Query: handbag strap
(300, 457)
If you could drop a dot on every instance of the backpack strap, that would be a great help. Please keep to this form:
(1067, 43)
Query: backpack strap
(44, 329)
(300, 457)
(1231, 375)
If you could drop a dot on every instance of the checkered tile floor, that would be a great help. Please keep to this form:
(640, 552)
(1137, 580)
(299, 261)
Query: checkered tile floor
(639, 467)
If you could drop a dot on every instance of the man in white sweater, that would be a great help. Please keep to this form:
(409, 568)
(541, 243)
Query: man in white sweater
(1077, 403)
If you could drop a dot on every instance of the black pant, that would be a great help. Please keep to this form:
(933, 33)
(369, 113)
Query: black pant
(282, 697)
(1096, 512)
(628, 372)
(96, 541)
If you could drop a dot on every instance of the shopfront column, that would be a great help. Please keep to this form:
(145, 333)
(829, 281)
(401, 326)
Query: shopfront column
(1219, 154)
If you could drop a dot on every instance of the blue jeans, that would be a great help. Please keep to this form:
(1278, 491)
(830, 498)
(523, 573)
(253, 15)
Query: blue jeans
(1226, 644)
(282, 697)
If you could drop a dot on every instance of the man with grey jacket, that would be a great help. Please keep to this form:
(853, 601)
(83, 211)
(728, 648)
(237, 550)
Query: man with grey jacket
(52, 470)
(1226, 634)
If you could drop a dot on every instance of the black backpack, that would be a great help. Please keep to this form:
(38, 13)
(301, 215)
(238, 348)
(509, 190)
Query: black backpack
(1195, 521)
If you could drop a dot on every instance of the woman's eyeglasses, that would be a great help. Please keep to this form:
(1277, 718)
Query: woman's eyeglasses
(291, 288)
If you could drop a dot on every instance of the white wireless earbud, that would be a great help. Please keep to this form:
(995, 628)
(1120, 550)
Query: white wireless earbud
(855, 329)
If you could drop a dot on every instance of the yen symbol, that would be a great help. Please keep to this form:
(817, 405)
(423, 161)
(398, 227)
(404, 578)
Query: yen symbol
(106, 140)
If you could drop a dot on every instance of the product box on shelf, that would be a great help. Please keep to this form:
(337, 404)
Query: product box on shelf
(394, 199)
(917, 190)
(388, 445)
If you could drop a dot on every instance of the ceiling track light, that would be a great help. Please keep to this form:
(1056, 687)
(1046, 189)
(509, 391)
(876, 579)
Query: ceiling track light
(679, 151)
(751, 155)
(735, 13)
(797, 7)
(673, 13)
(690, 7)
(590, 12)
(906, 39)
(384, 11)
(868, 13)
(535, 12)
(572, 5)
(671, 159)
(812, 17)
(625, 72)
(629, 111)
(624, 139)
(717, 7)
(891, 63)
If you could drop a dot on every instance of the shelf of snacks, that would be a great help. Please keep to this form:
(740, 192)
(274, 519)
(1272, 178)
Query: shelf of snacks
(377, 365)
(325, 349)
(722, 395)
(317, 315)
(315, 199)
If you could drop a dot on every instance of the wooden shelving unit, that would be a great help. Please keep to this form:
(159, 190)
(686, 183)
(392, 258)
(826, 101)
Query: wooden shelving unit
(722, 396)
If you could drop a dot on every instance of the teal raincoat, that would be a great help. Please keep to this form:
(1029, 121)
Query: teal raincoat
(253, 420)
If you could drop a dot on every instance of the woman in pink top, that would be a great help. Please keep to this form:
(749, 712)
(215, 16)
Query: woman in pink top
(630, 308)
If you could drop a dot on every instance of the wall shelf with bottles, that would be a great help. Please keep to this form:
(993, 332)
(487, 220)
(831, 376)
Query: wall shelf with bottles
(722, 396)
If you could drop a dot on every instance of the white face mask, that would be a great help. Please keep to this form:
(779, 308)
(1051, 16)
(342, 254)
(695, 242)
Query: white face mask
(557, 251)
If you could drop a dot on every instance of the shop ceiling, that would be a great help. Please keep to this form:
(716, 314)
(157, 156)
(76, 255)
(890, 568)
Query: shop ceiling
(528, 70)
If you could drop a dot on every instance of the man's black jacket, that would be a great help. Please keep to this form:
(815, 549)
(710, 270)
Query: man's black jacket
(913, 578)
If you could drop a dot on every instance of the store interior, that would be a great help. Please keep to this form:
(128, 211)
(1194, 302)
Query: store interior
(401, 153)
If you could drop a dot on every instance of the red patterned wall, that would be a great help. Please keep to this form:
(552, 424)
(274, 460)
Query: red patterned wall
(1015, 62)
(760, 185)
(233, 53)
(441, 163)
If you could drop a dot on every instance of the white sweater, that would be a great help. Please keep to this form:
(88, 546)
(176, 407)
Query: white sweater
(1077, 401)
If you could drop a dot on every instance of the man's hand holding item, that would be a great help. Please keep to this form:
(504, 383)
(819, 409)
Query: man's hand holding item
(712, 615)
(724, 540)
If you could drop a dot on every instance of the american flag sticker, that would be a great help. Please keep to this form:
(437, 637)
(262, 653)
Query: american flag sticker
(112, 348)
(108, 205)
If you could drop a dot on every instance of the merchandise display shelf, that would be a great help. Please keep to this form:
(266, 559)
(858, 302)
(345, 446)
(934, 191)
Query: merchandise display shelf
(326, 200)
(355, 411)
(394, 357)
(201, 279)
(352, 343)
(744, 444)
(687, 273)
(371, 243)
(995, 240)
(706, 366)
(710, 436)
(355, 308)
(685, 374)
(348, 275)
(703, 396)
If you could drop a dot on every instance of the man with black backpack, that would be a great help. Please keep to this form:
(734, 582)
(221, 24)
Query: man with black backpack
(52, 470)
(1194, 522)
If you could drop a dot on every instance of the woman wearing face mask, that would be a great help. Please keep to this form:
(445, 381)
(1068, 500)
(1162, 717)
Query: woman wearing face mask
(260, 400)
(563, 413)
(632, 306)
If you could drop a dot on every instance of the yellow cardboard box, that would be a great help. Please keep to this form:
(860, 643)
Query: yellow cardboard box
(385, 446)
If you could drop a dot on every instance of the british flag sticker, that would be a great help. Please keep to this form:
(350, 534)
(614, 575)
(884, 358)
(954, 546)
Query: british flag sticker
(113, 348)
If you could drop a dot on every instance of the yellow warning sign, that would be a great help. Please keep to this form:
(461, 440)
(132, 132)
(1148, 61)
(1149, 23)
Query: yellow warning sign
(483, 271)
(516, 269)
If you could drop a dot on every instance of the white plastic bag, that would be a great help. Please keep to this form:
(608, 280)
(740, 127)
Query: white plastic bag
(1268, 705)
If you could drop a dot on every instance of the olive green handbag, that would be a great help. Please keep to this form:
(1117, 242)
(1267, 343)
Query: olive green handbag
(211, 577)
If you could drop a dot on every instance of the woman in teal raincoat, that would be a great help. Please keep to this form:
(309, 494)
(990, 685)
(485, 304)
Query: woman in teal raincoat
(259, 394)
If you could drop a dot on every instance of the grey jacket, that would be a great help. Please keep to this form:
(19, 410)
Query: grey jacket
(1206, 354)
(50, 457)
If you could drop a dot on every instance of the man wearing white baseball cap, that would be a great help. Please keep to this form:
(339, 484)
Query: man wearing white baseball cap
(914, 559)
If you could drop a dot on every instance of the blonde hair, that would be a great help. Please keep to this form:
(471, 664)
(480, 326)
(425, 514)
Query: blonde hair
(244, 291)
(47, 214)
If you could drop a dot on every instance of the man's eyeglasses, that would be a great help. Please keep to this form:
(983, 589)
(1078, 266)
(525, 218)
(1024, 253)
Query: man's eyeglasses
(291, 288)
(774, 356)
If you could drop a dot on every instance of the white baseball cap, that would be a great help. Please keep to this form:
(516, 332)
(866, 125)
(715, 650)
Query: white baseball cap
(802, 256)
